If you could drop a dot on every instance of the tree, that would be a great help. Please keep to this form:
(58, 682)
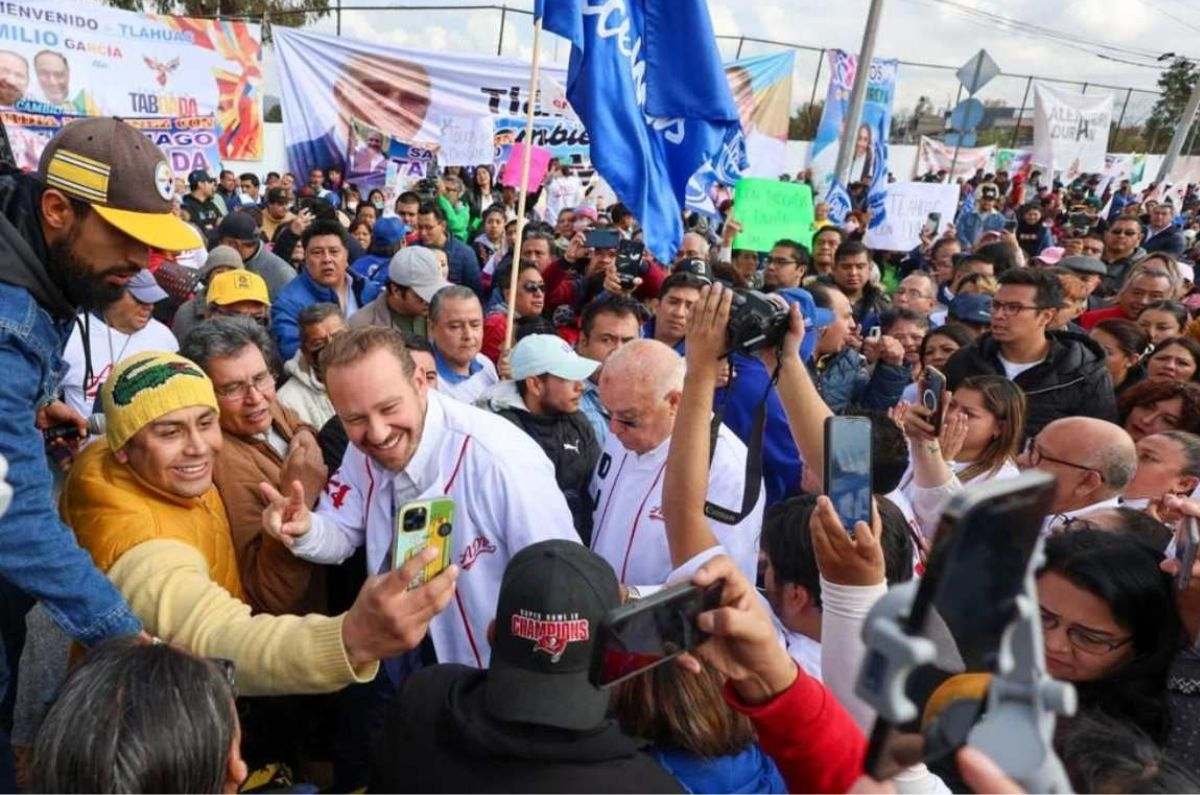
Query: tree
(1175, 83)
(281, 12)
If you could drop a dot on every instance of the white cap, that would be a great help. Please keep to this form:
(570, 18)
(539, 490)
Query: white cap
(1186, 271)
(417, 268)
(541, 354)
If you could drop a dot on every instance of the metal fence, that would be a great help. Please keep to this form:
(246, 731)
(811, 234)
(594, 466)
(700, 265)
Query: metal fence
(937, 83)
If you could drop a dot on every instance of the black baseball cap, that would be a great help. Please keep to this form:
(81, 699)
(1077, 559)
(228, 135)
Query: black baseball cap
(552, 599)
(198, 176)
(124, 177)
(238, 226)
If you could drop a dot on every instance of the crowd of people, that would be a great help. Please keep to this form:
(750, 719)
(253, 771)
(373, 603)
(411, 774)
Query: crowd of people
(220, 396)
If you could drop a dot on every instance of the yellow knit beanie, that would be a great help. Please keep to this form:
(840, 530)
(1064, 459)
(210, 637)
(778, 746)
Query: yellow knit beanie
(145, 386)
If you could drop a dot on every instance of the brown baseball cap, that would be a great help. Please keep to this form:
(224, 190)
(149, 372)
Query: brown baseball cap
(125, 178)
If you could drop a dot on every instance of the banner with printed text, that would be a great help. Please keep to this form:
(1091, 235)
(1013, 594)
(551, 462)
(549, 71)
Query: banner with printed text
(869, 162)
(1070, 131)
(83, 59)
(189, 142)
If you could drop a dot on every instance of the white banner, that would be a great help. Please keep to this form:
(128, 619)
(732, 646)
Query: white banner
(908, 206)
(934, 156)
(465, 141)
(1070, 131)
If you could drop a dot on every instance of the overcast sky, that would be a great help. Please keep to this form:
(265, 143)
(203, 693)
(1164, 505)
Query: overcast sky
(912, 30)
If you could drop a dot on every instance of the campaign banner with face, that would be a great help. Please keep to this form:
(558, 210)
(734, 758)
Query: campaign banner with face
(869, 163)
(1070, 131)
(345, 101)
(81, 59)
(934, 156)
(189, 142)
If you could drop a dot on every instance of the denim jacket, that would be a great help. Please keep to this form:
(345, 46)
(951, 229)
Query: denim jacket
(38, 553)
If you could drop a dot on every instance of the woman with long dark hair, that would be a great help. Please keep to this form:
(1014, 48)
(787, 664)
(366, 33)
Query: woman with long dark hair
(1124, 343)
(1160, 404)
(1110, 624)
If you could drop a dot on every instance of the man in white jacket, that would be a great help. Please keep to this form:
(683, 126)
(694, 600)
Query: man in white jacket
(640, 386)
(410, 443)
(304, 392)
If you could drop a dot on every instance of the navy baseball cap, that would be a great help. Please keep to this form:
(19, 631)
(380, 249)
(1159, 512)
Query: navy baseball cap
(553, 597)
(971, 308)
(815, 318)
(198, 176)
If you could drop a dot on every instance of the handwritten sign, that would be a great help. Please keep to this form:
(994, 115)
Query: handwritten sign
(769, 210)
(539, 163)
(466, 140)
(908, 205)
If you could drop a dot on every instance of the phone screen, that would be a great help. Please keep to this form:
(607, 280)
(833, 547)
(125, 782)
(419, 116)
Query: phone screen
(967, 596)
(602, 238)
(848, 469)
(638, 636)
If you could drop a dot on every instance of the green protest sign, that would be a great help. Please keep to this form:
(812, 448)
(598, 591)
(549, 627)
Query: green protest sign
(769, 210)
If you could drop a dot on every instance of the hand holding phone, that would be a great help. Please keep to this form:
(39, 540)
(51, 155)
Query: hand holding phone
(421, 524)
(933, 390)
(929, 229)
(841, 559)
(602, 238)
(848, 469)
(1187, 540)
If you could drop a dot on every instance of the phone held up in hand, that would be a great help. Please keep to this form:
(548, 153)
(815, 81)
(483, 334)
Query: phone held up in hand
(848, 469)
(933, 387)
(932, 222)
(420, 524)
(1187, 540)
(645, 633)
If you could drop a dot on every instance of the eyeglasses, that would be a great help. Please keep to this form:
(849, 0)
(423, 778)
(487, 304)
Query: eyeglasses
(780, 261)
(1124, 232)
(1011, 308)
(238, 390)
(1036, 456)
(913, 292)
(1083, 639)
(533, 289)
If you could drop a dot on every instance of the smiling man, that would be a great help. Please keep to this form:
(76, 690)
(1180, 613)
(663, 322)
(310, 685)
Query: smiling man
(262, 440)
(456, 331)
(410, 443)
(70, 238)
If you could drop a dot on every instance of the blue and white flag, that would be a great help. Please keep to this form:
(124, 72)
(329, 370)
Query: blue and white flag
(646, 80)
(838, 200)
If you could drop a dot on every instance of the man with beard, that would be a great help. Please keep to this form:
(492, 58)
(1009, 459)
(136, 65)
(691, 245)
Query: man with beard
(72, 235)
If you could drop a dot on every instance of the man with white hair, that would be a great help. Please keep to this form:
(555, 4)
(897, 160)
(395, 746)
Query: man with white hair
(1093, 461)
(640, 386)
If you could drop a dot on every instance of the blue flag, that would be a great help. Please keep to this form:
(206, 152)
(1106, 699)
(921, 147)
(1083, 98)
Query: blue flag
(647, 82)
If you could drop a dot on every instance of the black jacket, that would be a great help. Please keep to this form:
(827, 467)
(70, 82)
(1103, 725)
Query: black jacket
(26, 260)
(439, 738)
(1073, 380)
(567, 440)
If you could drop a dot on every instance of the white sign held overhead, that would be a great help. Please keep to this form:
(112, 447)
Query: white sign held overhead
(908, 206)
(1070, 131)
(977, 72)
(466, 140)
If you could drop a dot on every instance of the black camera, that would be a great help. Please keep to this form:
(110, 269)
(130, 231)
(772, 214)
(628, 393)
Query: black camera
(427, 189)
(414, 519)
(630, 264)
(755, 321)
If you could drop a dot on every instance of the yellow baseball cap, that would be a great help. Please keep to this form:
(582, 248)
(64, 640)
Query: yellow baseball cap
(123, 176)
(229, 287)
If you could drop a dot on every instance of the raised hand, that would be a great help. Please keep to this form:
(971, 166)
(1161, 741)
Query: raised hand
(791, 341)
(285, 518)
(953, 433)
(389, 618)
(840, 558)
(705, 340)
(304, 463)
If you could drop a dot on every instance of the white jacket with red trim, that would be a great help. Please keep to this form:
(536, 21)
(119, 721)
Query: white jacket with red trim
(505, 498)
(627, 523)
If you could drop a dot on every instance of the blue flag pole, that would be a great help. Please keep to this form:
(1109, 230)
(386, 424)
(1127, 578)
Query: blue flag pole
(526, 159)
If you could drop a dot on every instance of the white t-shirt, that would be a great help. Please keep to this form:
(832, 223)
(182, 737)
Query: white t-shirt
(1014, 369)
(108, 346)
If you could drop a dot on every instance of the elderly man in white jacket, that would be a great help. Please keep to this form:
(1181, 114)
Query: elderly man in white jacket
(410, 443)
(641, 386)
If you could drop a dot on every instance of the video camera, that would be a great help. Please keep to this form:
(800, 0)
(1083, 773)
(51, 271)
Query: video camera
(756, 321)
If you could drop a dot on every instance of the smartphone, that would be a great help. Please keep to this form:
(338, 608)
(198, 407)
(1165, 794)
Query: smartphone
(1187, 539)
(420, 524)
(933, 386)
(640, 635)
(966, 598)
(602, 238)
(848, 482)
(629, 262)
(1010, 226)
(875, 333)
(932, 221)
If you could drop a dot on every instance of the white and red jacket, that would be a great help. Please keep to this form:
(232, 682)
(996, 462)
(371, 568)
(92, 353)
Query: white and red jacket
(628, 529)
(505, 498)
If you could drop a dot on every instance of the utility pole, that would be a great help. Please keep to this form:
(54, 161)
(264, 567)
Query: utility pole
(1181, 131)
(858, 95)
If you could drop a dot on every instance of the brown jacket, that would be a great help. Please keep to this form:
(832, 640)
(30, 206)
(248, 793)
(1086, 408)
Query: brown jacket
(275, 581)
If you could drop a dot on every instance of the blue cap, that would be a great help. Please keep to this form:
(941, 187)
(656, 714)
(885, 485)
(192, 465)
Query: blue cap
(815, 318)
(144, 287)
(539, 354)
(971, 308)
(388, 231)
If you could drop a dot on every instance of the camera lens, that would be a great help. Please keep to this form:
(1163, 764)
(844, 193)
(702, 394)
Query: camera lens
(929, 399)
(414, 519)
(445, 529)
